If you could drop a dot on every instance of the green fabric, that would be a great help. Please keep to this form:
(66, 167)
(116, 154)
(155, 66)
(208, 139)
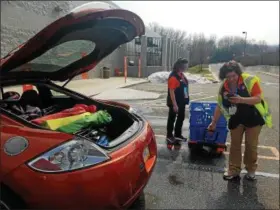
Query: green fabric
(263, 108)
(95, 119)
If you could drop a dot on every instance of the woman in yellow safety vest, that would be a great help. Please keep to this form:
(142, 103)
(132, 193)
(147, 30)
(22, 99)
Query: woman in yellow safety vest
(241, 101)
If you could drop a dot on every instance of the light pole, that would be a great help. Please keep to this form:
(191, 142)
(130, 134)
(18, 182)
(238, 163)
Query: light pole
(244, 32)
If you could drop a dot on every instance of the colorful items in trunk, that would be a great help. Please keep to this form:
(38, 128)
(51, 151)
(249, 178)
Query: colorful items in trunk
(95, 120)
(103, 141)
(54, 124)
(75, 110)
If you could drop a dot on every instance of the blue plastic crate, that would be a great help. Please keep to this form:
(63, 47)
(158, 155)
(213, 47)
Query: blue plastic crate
(201, 135)
(201, 114)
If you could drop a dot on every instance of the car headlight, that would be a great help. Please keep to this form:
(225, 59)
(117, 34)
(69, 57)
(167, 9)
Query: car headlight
(72, 155)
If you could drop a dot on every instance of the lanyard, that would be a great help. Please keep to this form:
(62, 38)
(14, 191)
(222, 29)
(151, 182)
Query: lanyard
(234, 92)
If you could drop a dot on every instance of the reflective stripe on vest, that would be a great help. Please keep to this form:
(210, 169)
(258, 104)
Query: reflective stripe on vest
(262, 107)
(220, 103)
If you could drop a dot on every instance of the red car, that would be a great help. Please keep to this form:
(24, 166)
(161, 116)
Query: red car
(49, 169)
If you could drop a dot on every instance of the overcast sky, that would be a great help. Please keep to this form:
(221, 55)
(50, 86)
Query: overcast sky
(259, 18)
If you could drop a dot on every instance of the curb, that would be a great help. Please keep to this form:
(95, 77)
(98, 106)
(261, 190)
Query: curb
(214, 75)
(131, 85)
(136, 99)
(269, 74)
(121, 86)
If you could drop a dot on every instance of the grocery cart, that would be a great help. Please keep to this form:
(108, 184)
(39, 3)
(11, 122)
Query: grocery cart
(201, 114)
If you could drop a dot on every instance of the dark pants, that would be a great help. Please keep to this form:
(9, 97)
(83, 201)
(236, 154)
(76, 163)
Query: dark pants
(179, 121)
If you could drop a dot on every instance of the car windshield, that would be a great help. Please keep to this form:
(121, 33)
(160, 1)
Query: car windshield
(59, 56)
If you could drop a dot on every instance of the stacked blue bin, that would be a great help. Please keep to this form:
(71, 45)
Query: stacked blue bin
(201, 114)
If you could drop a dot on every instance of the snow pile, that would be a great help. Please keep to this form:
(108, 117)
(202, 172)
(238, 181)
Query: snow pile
(162, 77)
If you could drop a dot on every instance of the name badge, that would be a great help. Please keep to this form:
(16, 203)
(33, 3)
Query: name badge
(232, 110)
(186, 92)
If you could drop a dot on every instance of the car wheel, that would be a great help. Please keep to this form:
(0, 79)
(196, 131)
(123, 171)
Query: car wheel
(9, 200)
(139, 203)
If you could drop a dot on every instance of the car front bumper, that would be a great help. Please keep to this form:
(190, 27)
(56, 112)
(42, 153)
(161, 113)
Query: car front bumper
(114, 184)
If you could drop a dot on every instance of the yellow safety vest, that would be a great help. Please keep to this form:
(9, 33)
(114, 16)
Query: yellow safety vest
(262, 107)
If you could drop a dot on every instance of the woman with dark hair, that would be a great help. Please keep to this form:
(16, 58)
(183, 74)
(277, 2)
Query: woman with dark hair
(177, 98)
(241, 101)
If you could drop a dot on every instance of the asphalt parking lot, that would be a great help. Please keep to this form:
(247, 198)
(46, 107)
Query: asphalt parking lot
(192, 181)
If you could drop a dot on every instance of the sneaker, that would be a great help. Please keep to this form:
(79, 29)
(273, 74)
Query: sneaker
(170, 140)
(250, 176)
(229, 177)
(180, 138)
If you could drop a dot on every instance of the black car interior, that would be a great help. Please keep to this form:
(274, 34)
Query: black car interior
(20, 105)
(50, 104)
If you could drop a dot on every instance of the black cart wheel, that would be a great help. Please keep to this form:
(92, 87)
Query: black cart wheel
(194, 146)
(139, 203)
(190, 146)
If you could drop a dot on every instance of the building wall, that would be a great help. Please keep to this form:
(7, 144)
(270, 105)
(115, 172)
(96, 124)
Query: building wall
(20, 20)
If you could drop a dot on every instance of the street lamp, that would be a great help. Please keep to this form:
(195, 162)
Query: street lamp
(244, 32)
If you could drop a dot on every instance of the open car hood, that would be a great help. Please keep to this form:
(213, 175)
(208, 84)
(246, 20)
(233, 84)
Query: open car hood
(72, 45)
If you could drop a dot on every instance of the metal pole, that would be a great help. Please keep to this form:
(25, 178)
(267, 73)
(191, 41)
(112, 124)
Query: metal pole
(125, 68)
(244, 32)
(139, 67)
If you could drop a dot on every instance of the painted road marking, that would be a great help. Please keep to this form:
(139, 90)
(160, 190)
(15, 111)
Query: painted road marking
(274, 150)
(260, 156)
(194, 94)
(163, 100)
(270, 74)
(160, 106)
(218, 169)
(152, 116)
(258, 173)
(197, 99)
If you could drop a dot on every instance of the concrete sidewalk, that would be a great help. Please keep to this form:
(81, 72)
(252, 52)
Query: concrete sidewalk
(127, 94)
(114, 88)
(92, 87)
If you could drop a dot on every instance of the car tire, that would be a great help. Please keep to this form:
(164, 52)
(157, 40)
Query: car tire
(9, 200)
(139, 203)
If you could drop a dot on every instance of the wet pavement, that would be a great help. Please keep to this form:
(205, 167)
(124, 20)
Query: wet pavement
(180, 186)
(193, 180)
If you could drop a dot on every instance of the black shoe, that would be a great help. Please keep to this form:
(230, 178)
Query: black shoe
(233, 177)
(170, 140)
(180, 138)
(250, 176)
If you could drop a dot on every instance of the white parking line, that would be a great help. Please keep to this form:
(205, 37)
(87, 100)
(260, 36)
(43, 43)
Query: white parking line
(264, 174)
(273, 150)
(194, 94)
(270, 74)
(179, 161)
(197, 99)
(152, 116)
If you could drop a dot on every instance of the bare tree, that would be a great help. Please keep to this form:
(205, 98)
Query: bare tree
(178, 36)
(204, 50)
